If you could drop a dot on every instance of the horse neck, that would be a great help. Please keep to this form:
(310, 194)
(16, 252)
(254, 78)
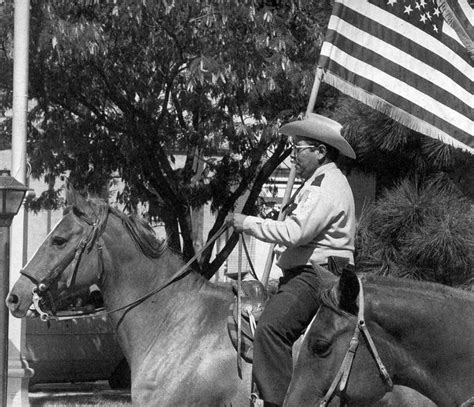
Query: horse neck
(428, 330)
(130, 275)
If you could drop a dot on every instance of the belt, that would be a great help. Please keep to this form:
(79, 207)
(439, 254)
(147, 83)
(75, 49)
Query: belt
(299, 269)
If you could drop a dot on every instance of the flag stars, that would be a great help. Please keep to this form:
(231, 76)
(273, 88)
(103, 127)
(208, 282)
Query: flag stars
(417, 5)
(435, 28)
(423, 3)
(436, 12)
(408, 9)
(423, 18)
(428, 15)
(391, 2)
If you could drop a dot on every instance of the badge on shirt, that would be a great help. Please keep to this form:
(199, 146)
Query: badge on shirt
(318, 180)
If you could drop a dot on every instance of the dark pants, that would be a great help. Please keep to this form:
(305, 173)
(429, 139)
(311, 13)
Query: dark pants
(285, 317)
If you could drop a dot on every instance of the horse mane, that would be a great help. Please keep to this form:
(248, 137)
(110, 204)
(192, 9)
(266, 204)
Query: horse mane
(419, 286)
(330, 299)
(142, 234)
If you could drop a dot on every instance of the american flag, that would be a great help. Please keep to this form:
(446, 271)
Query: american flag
(403, 58)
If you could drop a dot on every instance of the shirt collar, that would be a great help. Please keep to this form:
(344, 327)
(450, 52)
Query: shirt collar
(320, 170)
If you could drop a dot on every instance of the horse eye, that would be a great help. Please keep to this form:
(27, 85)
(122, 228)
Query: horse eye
(320, 346)
(59, 241)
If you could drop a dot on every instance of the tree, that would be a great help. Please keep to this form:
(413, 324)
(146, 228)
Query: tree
(421, 224)
(393, 152)
(419, 230)
(122, 87)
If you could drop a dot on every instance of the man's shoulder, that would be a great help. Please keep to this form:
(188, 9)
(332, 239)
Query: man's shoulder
(318, 180)
(330, 175)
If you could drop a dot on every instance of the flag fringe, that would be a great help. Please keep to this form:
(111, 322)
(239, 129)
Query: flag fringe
(392, 111)
(465, 36)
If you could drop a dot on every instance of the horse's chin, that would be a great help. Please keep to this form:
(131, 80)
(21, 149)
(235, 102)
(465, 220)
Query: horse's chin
(31, 314)
(22, 313)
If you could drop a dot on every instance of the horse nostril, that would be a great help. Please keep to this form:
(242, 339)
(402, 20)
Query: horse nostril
(12, 299)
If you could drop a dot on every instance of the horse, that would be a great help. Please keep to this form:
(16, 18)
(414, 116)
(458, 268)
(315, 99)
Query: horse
(171, 324)
(176, 342)
(416, 334)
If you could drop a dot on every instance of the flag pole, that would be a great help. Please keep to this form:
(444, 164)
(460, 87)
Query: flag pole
(291, 176)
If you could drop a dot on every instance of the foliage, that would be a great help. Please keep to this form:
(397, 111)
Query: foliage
(421, 224)
(394, 152)
(420, 230)
(123, 87)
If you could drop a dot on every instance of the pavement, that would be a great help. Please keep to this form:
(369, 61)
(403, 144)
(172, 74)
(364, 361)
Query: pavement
(77, 394)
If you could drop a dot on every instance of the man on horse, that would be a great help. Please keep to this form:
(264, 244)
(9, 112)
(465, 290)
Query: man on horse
(318, 231)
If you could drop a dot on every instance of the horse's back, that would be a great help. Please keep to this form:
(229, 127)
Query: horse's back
(404, 397)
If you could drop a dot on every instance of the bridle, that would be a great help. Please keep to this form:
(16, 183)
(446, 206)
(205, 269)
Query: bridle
(344, 371)
(41, 292)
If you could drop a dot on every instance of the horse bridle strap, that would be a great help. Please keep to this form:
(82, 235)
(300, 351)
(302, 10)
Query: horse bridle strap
(344, 371)
(74, 256)
(94, 234)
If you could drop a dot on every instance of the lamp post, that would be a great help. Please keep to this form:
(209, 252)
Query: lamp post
(12, 193)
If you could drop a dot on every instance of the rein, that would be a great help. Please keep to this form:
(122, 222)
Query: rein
(344, 371)
(74, 256)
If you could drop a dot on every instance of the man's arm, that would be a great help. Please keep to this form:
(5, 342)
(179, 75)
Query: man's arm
(311, 216)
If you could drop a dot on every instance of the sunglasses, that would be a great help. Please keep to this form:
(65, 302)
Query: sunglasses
(298, 149)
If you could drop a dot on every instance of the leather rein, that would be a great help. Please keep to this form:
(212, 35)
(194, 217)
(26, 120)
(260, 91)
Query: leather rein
(73, 258)
(344, 371)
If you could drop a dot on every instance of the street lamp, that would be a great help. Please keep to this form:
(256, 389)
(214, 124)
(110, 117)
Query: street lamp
(12, 193)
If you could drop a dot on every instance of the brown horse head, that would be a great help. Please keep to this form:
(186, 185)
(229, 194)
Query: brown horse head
(422, 333)
(69, 258)
(324, 347)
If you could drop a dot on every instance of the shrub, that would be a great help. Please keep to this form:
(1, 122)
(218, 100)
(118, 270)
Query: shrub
(418, 230)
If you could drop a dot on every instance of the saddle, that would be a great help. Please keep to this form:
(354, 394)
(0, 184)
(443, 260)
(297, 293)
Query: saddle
(253, 299)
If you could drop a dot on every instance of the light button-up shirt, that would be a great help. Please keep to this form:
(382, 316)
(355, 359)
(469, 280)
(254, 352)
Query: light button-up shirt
(320, 222)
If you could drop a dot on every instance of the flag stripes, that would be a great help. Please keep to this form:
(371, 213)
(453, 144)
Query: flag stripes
(448, 77)
(395, 106)
(461, 17)
(365, 30)
(420, 77)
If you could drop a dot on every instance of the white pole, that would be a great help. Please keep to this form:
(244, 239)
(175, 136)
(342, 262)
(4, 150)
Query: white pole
(291, 177)
(18, 373)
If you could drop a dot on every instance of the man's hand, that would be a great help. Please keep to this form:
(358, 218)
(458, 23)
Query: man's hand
(236, 220)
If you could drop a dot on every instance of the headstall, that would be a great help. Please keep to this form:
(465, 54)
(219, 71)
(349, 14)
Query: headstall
(42, 297)
(344, 371)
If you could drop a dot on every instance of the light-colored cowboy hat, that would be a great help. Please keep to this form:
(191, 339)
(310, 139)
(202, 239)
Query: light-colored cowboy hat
(320, 128)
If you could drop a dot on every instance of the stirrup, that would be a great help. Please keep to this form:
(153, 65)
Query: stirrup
(255, 401)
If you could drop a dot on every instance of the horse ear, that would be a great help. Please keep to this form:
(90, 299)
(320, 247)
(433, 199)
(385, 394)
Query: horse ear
(75, 199)
(348, 290)
(70, 194)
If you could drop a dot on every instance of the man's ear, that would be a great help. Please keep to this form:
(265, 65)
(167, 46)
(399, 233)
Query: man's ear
(321, 151)
(348, 291)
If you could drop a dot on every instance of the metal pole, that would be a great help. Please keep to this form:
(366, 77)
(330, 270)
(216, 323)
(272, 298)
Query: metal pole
(18, 373)
(291, 176)
(314, 91)
(281, 216)
(20, 88)
(4, 315)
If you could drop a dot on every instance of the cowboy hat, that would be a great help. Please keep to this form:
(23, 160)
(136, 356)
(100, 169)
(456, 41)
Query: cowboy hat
(319, 128)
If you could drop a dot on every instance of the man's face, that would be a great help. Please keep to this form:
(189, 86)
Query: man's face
(306, 157)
